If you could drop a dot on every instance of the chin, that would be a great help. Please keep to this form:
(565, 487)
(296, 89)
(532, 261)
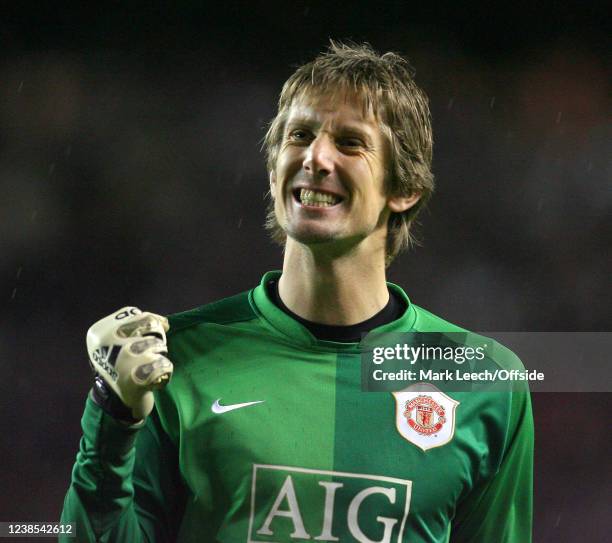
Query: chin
(311, 236)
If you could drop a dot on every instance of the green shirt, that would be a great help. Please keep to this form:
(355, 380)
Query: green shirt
(316, 459)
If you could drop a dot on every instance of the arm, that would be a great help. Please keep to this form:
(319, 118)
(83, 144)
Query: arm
(125, 482)
(500, 510)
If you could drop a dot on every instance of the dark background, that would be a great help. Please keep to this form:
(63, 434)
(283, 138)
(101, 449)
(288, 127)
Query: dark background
(130, 173)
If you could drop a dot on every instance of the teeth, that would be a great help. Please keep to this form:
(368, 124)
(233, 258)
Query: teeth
(317, 199)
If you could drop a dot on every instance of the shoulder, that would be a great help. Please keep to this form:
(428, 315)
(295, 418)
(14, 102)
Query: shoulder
(498, 354)
(425, 321)
(230, 310)
(214, 327)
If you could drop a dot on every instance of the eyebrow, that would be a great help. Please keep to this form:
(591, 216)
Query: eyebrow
(345, 129)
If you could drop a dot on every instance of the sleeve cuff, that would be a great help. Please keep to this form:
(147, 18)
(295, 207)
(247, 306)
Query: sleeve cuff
(108, 436)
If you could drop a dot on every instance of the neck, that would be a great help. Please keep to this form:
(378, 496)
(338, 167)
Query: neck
(338, 290)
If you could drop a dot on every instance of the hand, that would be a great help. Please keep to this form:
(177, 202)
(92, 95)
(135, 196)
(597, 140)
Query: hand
(128, 350)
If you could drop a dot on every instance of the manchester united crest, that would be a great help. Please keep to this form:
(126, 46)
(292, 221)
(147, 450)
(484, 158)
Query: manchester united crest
(425, 417)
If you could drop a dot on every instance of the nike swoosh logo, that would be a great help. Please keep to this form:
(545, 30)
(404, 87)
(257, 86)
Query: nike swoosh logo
(218, 408)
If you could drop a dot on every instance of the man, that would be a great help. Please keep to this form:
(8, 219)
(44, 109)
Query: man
(263, 433)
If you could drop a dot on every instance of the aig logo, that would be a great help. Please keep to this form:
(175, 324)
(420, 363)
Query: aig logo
(299, 504)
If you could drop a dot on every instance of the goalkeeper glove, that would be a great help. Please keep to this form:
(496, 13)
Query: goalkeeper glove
(127, 350)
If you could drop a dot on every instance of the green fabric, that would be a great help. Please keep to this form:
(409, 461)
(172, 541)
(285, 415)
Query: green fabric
(317, 460)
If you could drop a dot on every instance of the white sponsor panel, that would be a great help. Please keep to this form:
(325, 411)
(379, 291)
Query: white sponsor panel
(425, 416)
(336, 521)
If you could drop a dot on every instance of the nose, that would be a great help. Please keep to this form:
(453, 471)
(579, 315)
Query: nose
(320, 156)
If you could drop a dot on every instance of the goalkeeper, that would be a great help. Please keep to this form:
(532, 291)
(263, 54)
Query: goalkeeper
(243, 420)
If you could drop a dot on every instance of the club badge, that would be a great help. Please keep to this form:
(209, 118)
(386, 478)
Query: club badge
(425, 417)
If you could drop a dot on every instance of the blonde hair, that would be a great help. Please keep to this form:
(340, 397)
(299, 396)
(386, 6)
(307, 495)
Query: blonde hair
(386, 86)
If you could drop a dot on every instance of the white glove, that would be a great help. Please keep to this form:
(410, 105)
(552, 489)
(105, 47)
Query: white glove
(127, 349)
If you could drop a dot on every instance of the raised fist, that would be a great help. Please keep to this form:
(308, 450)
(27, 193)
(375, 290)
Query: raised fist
(128, 350)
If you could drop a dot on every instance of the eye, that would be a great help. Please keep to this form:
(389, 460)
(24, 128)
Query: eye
(350, 142)
(299, 135)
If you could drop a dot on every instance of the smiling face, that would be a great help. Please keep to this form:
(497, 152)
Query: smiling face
(329, 181)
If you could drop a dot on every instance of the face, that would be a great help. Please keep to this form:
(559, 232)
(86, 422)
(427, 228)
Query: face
(329, 180)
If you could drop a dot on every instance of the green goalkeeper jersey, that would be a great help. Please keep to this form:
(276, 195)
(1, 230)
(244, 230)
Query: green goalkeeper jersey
(264, 434)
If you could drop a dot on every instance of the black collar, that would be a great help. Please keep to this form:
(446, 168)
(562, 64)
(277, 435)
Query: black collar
(344, 334)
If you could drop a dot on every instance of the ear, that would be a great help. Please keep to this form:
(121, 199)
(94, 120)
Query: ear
(272, 184)
(399, 204)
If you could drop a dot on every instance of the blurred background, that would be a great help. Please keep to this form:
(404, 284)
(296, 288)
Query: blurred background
(131, 173)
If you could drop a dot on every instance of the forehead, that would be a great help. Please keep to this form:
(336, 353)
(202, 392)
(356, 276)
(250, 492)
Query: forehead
(337, 108)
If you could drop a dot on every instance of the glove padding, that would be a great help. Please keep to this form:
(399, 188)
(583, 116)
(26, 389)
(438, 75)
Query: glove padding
(128, 350)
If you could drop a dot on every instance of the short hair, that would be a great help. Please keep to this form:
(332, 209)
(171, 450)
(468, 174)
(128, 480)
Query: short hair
(386, 87)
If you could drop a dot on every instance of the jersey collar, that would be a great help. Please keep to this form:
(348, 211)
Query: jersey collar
(293, 331)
